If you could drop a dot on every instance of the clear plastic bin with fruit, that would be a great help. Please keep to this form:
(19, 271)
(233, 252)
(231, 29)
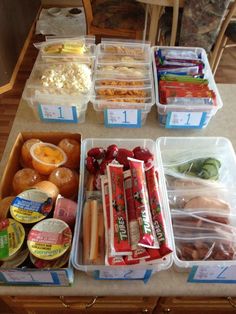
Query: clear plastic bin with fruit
(111, 236)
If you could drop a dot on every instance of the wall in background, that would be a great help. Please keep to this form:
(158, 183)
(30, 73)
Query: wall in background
(16, 19)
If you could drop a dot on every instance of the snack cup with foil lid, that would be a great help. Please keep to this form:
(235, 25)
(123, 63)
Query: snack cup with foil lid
(56, 263)
(49, 239)
(12, 235)
(31, 206)
(16, 260)
(65, 209)
(46, 157)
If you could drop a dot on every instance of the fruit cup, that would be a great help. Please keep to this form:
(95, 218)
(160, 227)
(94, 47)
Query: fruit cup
(46, 157)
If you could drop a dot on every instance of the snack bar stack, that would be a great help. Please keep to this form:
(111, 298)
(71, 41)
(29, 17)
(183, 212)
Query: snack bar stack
(123, 78)
(186, 93)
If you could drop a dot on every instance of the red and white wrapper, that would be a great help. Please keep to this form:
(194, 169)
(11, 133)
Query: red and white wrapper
(109, 260)
(138, 252)
(118, 215)
(157, 218)
(140, 194)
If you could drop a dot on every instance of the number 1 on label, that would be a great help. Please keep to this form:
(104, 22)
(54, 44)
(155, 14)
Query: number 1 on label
(125, 113)
(188, 118)
(60, 113)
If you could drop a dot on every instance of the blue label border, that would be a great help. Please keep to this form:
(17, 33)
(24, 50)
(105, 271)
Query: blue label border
(168, 126)
(145, 278)
(73, 120)
(53, 273)
(122, 125)
(193, 271)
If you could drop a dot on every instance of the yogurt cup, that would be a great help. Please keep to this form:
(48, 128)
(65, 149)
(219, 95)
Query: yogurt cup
(46, 157)
(31, 206)
(65, 209)
(56, 263)
(12, 235)
(16, 260)
(49, 239)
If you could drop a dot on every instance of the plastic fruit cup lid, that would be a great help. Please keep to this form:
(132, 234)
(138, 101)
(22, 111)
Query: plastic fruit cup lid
(9, 230)
(52, 155)
(31, 206)
(49, 239)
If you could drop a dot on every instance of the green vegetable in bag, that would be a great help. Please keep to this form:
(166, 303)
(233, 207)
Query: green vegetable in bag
(207, 169)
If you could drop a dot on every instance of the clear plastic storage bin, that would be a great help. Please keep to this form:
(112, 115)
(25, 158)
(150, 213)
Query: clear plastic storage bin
(56, 91)
(184, 115)
(202, 204)
(116, 272)
(55, 109)
(123, 81)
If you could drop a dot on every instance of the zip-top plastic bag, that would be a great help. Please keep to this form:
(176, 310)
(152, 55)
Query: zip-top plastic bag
(197, 237)
(76, 47)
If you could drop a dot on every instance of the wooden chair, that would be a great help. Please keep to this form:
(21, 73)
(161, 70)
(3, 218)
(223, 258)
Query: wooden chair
(226, 34)
(157, 7)
(106, 18)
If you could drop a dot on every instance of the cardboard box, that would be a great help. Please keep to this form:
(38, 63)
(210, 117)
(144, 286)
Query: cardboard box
(32, 276)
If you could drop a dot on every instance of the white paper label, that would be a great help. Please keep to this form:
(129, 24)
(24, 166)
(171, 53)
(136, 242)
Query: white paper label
(213, 274)
(185, 119)
(58, 113)
(123, 117)
(122, 274)
(35, 276)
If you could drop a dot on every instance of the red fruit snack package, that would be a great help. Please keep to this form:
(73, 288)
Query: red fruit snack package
(118, 215)
(109, 260)
(137, 251)
(141, 203)
(155, 207)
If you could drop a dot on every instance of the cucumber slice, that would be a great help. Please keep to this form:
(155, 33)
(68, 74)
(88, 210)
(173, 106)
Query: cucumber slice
(208, 171)
(197, 165)
(213, 161)
(184, 167)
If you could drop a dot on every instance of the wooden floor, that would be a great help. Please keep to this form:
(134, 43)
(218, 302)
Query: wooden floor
(9, 101)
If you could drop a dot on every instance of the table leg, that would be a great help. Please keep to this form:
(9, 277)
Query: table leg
(146, 21)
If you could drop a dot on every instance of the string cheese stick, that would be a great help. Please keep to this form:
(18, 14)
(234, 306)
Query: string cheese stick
(94, 231)
(89, 185)
(101, 239)
(86, 231)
